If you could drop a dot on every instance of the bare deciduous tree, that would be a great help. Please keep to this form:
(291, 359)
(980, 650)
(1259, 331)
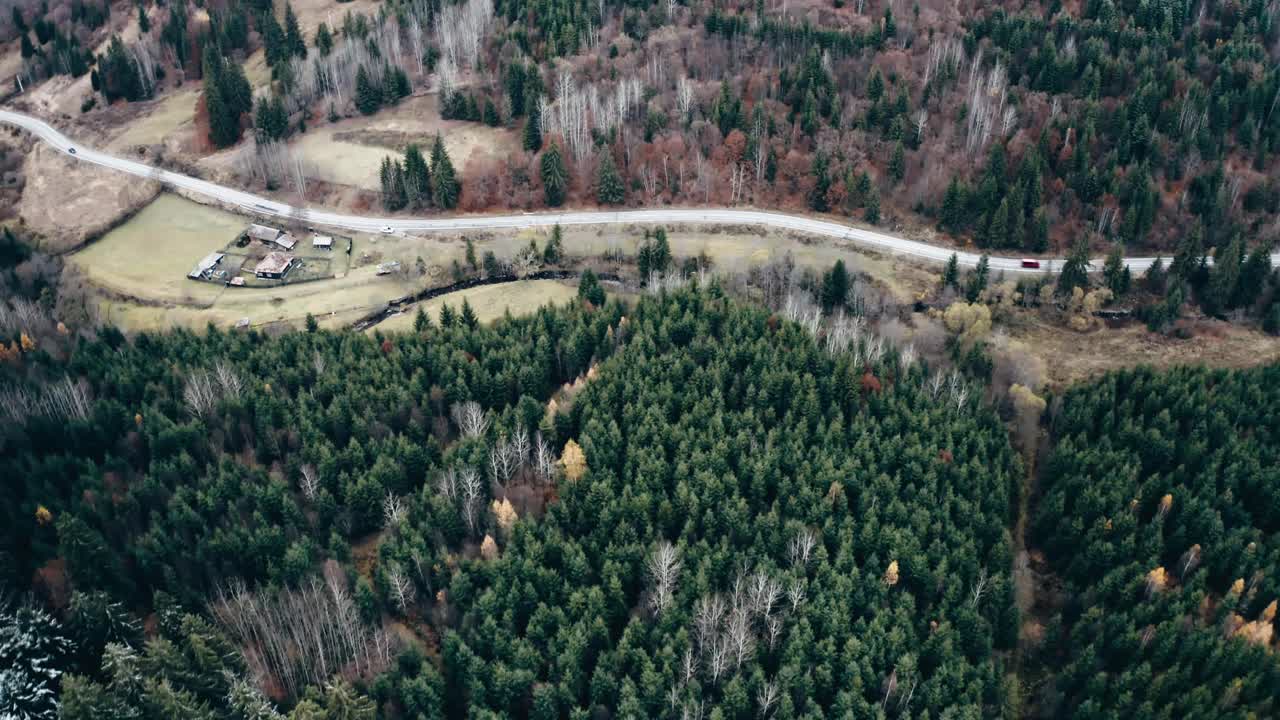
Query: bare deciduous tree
(295, 638)
(470, 418)
(663, 567)
(402, 589)
(310, 482)
(472, 498)
(766, 697)
(393, 511)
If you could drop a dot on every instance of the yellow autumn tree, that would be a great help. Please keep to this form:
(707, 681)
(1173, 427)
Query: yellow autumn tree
(489, 548)
(1157, 580)
(43, 516)
(970, 322)
(27, 343)
(573, 460)
(1166, 503)
(891, 574)
(505, 515)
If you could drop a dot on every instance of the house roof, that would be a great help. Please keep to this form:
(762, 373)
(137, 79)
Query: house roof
(262, 232)
(275, 263)
(286, 241)
(321, 240)
(205, 265)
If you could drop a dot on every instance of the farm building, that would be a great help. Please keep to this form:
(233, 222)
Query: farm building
(204, 269)
(387, 268)
(263, 233)
(274, 265)
(285, 240)
(322, 242)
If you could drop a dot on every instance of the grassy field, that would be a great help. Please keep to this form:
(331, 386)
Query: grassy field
(151, 254)
(350, 151)
(489, 302)
(161, 121)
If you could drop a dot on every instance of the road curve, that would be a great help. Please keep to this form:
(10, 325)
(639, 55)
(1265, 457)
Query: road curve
(257, 205)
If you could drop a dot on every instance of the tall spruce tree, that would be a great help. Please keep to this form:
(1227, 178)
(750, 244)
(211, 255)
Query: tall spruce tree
(609, 187)
(294, 43)
(555, 178)
(444, 181)
(533, 127)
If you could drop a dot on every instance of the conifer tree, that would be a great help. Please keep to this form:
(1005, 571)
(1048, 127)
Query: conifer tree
(324, 40)
(468, 315)
(533, 127)
(951, 274)
(294, 43)
(551, 253)
(368, 97)
(444, 180)
(609, 187)
(555, 178)
(898, 163)
(872, 212)
(417, 178)
(835, 287)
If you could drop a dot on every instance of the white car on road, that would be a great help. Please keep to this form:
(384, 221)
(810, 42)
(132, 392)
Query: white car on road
(388, 230)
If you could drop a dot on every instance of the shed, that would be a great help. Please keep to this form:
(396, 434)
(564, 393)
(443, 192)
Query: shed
(274, 265)
(285, 240)
(387, 268)
(203, 268)
(324, 242)
(262, 232)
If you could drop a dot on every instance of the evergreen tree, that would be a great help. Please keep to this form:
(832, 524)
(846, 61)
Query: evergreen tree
(589, 288)
(417, 178)
(898, 163)
(609, 187)
(368, 96)
(324, 40)
(1038, 234)
(1115, 273)
(872, 212)
(835, 287)
(491, 117)
(977, 281)
(552, 252)
(421, 323)
(275, 46)
(468, 316)
(997, 234)
(119, 73)
(951, 274)
(144, 22)
(822, 183)
(952, 207)
(1224, 277)
(1075, 271)
(444, 181)
(293, 40)
(555, 177)
(875, 86)
(533, 128)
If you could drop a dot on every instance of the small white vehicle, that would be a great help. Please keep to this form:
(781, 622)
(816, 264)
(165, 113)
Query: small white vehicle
(388, 230)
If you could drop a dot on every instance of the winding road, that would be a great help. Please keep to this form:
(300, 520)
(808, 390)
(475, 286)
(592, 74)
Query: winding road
(257, 205)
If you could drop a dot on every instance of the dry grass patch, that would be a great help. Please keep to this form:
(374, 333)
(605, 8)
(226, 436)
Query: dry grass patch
(349, 152)
(489, 302)
(1073, 357)
(67, 201)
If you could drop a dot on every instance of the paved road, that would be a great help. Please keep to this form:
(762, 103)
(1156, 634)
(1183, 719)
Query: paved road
(720, 216)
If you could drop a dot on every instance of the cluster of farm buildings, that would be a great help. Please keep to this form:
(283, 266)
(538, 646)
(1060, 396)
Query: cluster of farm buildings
(274, 266)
